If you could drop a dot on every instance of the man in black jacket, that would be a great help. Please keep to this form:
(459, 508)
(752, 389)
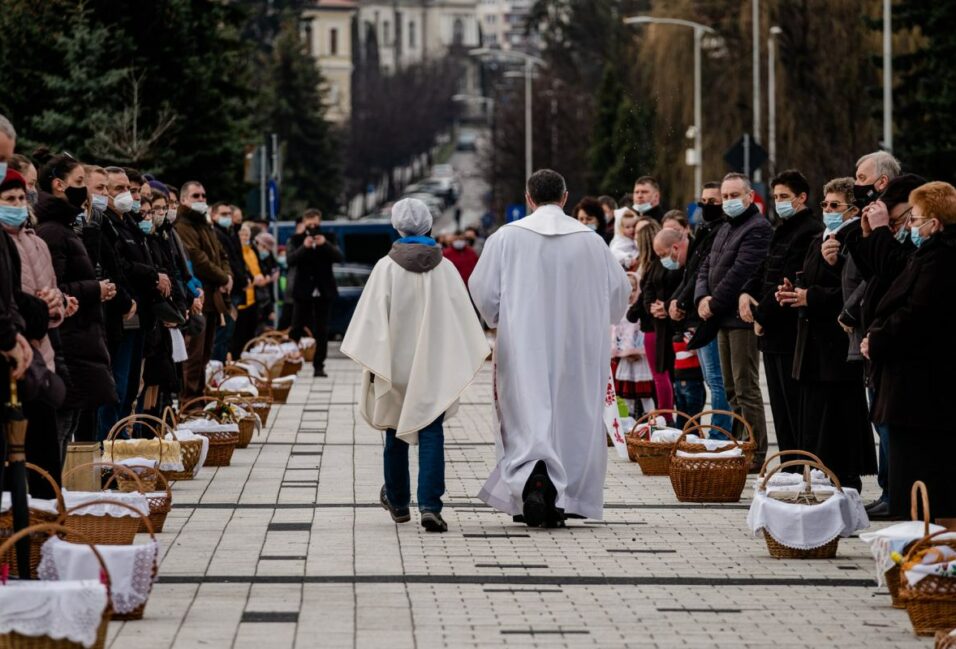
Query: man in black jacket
(681, 305)
(776, 326)
(739, 248)
(310, 256)
(647, 198)
(223, 226)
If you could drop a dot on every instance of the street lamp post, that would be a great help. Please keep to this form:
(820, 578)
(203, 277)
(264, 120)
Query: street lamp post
(755, 24)
(699, 31)
(888, 75)
(529, 62)
(772, 96)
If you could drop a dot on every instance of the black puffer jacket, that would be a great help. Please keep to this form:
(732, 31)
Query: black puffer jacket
(83, 341)
(699, 249)
(788, 249)
(739, 248)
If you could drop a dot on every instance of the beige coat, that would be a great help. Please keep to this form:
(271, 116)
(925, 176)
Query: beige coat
(36, 272)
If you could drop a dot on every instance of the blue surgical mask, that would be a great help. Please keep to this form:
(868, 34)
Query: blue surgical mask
(224, 221)
(902, 234)
(13, 217)
(784, 209)
(100, 201)
(263, 254)
(832, 220)
(146, 226)
(734, 207)
(643, 207)
(918, 239)
(137, 205)
(669, 263)
(591, 226)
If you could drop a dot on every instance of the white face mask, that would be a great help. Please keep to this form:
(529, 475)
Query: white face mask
(159, 219)
(171, 215)
(123, 202)
(200, 206)
(458, 244)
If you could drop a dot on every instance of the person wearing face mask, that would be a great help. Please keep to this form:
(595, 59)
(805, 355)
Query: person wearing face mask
(589, 212)
(223, 226)
(264, 245)
(474, 239)
(647, 198)
(462, 256)
(136, 190)
(89, 381)
(880, 250)
(26, 168)
(912, 356)
(775, 325)
(247, 318)
(681, 305)
(740, 246)
(832, 416)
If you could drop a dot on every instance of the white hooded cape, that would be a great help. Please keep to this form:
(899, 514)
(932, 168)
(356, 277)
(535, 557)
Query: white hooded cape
(418, 335)
(553, 289)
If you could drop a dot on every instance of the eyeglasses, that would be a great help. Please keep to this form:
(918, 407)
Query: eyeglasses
(833, 205)
(919, 217)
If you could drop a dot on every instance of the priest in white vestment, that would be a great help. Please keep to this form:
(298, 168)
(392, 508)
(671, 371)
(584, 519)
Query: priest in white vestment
(552, 289)
(419, 341)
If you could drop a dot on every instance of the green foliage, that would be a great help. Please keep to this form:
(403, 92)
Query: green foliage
(601, 155)
(632, 144)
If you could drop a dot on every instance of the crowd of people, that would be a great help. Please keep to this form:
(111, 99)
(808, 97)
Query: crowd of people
(117, 288)
(844, 307)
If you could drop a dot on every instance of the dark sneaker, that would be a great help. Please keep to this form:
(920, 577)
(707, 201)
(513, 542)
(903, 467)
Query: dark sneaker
(320, 374)
(433, 522)
(880, 512)
(399, 515)
(539, 497)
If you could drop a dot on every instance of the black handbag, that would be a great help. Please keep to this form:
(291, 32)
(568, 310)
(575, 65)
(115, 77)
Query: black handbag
(166, 312)
(40, 384)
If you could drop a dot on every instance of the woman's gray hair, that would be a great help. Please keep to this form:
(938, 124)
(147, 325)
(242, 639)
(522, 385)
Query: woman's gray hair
(840, 186)
(884, 161)
(6, 127)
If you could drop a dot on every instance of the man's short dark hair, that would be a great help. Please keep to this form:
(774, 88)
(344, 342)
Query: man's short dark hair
(711, 184)
(312, 213)
(218, 206)
(793, 180)
(135, 177)
(546, 186)
(648, 180)
(898, 190)
(607, 201)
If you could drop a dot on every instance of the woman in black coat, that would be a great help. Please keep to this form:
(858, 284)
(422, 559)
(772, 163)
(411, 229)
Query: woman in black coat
(913, 357)
(60, 206)
(832, 418)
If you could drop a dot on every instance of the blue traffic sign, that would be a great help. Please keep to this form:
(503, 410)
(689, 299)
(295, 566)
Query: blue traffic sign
(515, 212)
(272, 198)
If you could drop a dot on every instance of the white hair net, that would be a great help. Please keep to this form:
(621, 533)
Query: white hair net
(411, 217)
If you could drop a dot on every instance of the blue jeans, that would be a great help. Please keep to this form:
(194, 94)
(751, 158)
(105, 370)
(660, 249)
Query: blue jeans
(883, 473)
(689, 397)
(223, 339)
(431, 468)
(127, 371)
(709, 358)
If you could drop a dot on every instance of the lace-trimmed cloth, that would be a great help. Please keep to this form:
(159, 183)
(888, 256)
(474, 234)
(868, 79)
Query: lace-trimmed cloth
(136, 500)
(62, 610)
(130, 568)
(46, 506)
(268, 358)
(207, 426)
(804, 527)
(883, 543)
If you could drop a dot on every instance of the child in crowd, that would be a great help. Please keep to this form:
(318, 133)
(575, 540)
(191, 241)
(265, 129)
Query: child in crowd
(633, 380)
(622, 245)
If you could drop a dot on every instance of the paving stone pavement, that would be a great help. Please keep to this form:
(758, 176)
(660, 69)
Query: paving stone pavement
(289, 548)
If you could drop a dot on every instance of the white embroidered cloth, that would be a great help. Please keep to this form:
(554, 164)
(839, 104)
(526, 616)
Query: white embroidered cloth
(710, 444)
(130, 568)
(883, 543)
(184, 434)
(939, 560)
(136, 500)
(211, 368)
(179, 353)
(284, 379)
(305, 342)
(240, 384)
(268, 358)
(48, 506)
(804, 527)
(733, 452)
(199, 425)
(666, 435)
(70, 610)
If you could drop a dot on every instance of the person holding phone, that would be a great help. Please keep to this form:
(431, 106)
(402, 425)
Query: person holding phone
(832, 415)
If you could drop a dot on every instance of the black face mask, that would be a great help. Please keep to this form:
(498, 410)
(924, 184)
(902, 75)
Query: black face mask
(711, 213)
(863, 195)
(76, 196)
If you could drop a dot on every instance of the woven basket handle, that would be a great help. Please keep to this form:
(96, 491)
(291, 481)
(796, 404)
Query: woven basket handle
(266, 375)
(925, 541)
(807, 464)
(202, 401)
(58, 528)
(106, 501)
(43, 473)
(730, 413)
(255, 341)
(308, 332)
(171, 414)
(919, 488)
(688, 431)
(807, 454)
(147, 470)
(650, 416)
(127, 422)
(114, 467)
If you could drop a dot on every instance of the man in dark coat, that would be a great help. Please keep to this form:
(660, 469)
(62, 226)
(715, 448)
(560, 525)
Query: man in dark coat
(913, 357)
(223, 226)
(310, 256)
(647, 198)
(211, 266)
(739, 248)
(776, 326)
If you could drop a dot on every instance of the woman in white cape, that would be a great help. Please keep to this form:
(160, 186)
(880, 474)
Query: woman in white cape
(417, 337)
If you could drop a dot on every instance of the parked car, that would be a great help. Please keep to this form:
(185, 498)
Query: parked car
(351, 280)
(467, 141)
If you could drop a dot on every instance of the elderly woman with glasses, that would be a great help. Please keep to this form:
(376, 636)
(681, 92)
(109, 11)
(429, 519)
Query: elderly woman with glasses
(913, 356)
(832, 417)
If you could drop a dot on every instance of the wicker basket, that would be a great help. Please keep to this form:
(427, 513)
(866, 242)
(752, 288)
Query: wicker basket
(708, 479)
(213, 388)
(892, 576)
(35, 517)
(280, 392)
(944, 639)
(291, 366)
(654, 458)
(748, 446)
(148, 481)
(249, 424)
(191, 449)
(931, 604)
(160, 501)
(780, 551)
(308, 353)
(105, 530)
(221, 444)
(17, 641)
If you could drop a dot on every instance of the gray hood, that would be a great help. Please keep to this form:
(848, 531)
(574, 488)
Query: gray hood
(415, 257)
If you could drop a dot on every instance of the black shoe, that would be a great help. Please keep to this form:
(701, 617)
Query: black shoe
(874, 504)
(320, 374)
(880, 512)
(433, 522)
(539, 496)
(399, 514)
